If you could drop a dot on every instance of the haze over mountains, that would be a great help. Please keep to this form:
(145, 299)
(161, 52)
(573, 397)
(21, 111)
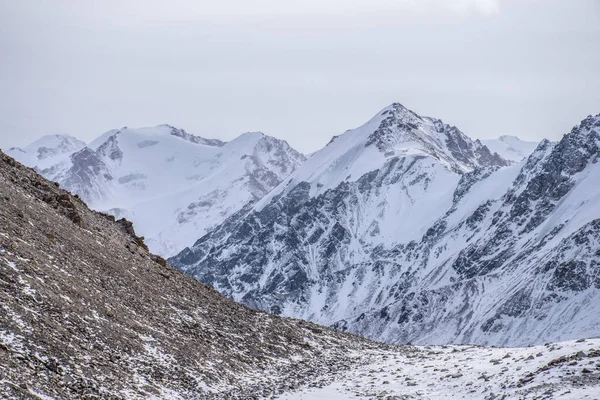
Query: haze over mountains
(401, 230)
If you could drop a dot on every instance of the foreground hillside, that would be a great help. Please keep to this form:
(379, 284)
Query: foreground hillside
(86, 310)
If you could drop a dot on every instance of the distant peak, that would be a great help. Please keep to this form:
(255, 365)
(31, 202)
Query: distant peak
(401, 128)
(256, 134)
(53, 145)
(248, 137)
(393, 108)
(503, 137)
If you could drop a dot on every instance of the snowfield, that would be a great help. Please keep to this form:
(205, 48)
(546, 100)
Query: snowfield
(567, 370)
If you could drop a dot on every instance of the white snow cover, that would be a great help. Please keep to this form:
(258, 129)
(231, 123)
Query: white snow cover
(510, 147)
(175, 191)
(566, 370)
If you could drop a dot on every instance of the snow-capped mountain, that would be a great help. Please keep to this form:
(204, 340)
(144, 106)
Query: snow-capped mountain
(510, 147)
(405, 230)
(173, 185)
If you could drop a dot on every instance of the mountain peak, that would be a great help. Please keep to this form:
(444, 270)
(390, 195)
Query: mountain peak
(403, 131)
(510, 147)
(247, 140)
(400, 113)
(591, 123)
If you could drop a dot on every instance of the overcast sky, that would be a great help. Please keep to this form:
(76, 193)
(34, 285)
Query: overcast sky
(298, 70)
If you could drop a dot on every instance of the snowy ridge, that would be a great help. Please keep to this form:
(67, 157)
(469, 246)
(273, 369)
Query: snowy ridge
(194, 183)
(440, 243)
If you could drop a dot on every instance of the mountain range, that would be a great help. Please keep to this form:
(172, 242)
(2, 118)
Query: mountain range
(173, 185)
(403, 230)
(86, 311)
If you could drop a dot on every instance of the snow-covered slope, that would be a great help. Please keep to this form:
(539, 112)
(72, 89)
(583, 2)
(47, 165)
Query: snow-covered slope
(510, 147)
(566, 371)
(405, 230)
(174, 186)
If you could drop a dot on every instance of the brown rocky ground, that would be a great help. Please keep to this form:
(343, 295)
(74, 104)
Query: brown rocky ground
(87, 312)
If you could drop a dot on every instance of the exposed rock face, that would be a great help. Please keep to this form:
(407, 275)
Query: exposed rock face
(86, 311)
(194, 139)
(404, 230)
(110, 149)
(88, 176)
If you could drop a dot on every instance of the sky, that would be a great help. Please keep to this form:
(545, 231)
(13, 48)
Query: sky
(302, 71)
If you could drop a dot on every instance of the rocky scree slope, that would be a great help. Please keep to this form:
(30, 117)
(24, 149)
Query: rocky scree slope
(404, 230)
(86, 311)
(195, 182)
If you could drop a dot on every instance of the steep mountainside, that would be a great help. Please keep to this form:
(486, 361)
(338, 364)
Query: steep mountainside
(87, 312)
(195, 183)
(510, 147)
(404, 230)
